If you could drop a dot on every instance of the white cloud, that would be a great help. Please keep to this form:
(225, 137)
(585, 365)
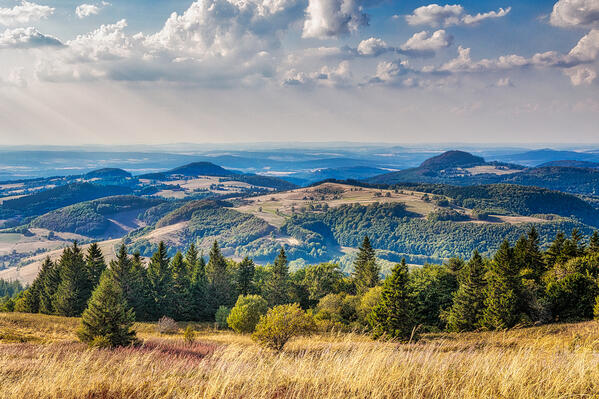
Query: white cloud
(85, 10)
(339, 76)
(587, 48)
(332, 18)
(23, 38)
(373, 47)
(575, 13)
(435, 15)
(14, 78)
(24, 14)
(423, 42)
(580, 75)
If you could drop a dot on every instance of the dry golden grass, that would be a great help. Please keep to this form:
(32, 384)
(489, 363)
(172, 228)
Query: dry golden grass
(556, 361)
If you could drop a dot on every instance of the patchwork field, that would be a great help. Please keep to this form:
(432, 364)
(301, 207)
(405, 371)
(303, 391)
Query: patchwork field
(40, 357)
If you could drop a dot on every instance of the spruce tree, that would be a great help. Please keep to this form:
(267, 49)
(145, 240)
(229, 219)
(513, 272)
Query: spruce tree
(33, 295)
(130, 275)
(108, 319)
(94, 261)
(366, 270)
(199, 286)
(393, 315)
(160, 283)
(220, 289)
(245, 277)
(49, 285)
(181, 288)
(554, 254)
(469, 301)
(534, 257)
(73, 291)
(277, 289)
(594, 243)
(503, 302)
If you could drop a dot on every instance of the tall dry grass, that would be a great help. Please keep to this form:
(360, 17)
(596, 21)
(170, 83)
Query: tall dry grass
(556, 361)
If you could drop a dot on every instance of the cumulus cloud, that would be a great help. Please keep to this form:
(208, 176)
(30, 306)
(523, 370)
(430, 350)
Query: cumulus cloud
(85, 10)
(575, 13)
(425, 43)
(373, 47)
(339, 76)
(24, 14)
(448, 15)
(333, 18)
(580, 75)
(23, 38)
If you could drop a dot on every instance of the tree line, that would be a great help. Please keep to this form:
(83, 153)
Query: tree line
(520, 285)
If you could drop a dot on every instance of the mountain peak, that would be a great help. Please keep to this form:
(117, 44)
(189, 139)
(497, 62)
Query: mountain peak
(201, 169)
(452, 159)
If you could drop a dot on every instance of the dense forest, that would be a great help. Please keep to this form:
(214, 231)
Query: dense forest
(520, 285)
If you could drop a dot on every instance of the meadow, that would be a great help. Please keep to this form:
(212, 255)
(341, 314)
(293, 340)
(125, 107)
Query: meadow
(40, 357)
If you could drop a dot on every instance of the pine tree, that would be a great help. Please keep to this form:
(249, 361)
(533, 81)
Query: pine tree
(245, 277)
(130, 275)
(554, 254)
(181, 288)
(94, 261)
(160, 283)
(199, 286)
(366, 270)
(108, 319)
(594, 243)
(33, 295)
(49, 285)
(73, 291)
(277, 289)
(220, 290)
(469, 301)
(503, 302)
(393, 315)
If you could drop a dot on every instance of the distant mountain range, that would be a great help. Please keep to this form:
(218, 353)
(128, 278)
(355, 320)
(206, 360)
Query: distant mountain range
(462, 168)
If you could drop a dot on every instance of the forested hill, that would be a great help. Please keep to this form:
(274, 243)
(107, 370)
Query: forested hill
(460, 168)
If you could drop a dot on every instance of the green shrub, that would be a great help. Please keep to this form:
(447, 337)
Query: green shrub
(189, 334)
(282, 323)
(246, 313)
(221, 315)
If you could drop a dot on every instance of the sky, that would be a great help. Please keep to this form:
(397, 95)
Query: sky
(230, 71)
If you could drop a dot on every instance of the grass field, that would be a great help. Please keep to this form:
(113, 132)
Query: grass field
(40, 358)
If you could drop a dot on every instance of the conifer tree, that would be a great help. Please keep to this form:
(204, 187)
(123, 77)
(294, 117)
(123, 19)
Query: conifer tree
(277, 289)
(245, 277)
(33, 295)
(49, 284)
(503, 295)
(181, 288)
(366, 270)
(108, 319)
(594, 243)
(94, 261)
(73, 291)
(393, 315)
(199, 286)
(469, 301)
(534, 257)
(130, 275)
(220, 289)
(160, 283)
(554, 254)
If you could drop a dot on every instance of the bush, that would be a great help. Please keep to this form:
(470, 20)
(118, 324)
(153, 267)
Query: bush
(282, 323)
(338, 308)
(221, 315)
(573, 297)
(166, 325)
(367, 302)
(189, 334)
(246, 313)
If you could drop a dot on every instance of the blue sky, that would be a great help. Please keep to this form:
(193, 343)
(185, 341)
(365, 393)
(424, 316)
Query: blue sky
(116, 72)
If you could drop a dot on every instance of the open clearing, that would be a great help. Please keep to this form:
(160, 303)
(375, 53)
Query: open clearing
(40, 358)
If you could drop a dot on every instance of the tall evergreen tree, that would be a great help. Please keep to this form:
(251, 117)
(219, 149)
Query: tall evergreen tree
(49, 285)
(469, 301)
(181, 288)
(366, 270)
(277, 289)
(594, 243)
(74, 290)
(95, 264)
(220, 287)
(554, 254)
(393, 315)
(33, 295)
(108, 319)
(503, 302)
(199, 285)
(245, 277)
(160, 283)
(130, 275)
